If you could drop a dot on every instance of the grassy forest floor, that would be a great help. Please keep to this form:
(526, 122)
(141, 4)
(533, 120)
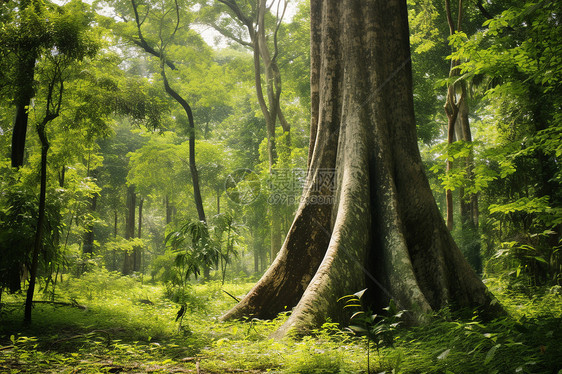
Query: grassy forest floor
(131, 328)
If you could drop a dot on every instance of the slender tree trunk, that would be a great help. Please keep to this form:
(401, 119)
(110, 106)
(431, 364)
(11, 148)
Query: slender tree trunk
(137, 251)
(457, 112)
(468, 201)
(270, 119)
(192, 164)
(256, 259)
(169, 210)
(40, 220)
(218, 200)
(88, 240)
(270, 108)
(178, 98)
(115, 221)
(128, 261)
(452, 105)
(62, 175)
(141, 203)
(114, 254)
(377, 225)
(88, 237)
(276, 239)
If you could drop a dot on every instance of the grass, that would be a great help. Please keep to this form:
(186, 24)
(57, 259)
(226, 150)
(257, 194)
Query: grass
(117, 332)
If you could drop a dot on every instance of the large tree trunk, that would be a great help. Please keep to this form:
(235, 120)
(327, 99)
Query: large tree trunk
(378, 225)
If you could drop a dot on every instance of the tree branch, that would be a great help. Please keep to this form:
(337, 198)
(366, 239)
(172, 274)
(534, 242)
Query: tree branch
(236, 9)
(230, 35)
(142, 42)
(147, 48)
(449, 17)
(483, 10)
(459, 16)
(279, 20)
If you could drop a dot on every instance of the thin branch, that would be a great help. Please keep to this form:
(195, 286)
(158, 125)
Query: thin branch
(268, 8)
(257, 72)
(234, 297)
(142, 42)
(459, 16)
(177, 22)
(163, 44)
(147, 48)
(236, 9)
(145, 15)
(280, 20)
(230, 35)
(449, 17)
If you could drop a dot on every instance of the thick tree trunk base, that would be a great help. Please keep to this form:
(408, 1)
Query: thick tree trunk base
(381, 228)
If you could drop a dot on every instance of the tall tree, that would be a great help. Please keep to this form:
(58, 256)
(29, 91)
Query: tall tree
(25, 38)
(166, 34)
(253, 28)
(517, 52)
(458, 129)
(70, 42)
(129, 261)
(256, 27)
(377, 225)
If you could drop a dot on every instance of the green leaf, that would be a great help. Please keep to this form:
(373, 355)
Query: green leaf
(358, 329)
(444, 354)
(356, 314)
(540, 259)
(491, 353)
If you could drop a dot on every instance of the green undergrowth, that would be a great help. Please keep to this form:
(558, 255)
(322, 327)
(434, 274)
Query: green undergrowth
(116, 324)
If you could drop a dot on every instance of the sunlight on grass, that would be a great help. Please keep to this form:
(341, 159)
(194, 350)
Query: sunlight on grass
(130, 326)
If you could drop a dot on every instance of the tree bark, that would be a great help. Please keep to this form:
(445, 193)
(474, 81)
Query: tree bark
(19, 133)
(25, 73)
(378, 225)
(141, 203)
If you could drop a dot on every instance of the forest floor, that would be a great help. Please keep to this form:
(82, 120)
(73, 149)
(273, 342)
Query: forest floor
(115, 324)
